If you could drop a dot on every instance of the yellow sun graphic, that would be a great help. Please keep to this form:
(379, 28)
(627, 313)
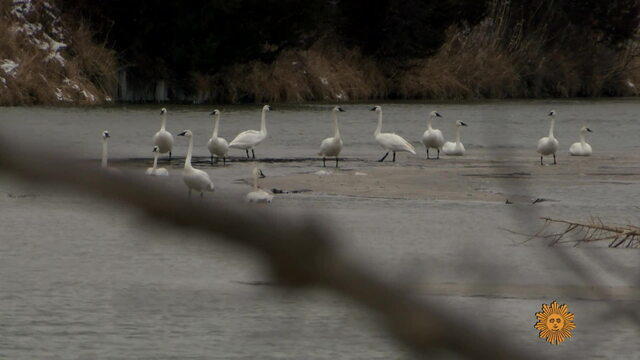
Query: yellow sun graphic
(555, 322)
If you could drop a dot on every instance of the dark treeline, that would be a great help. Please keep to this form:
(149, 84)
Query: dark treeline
(174, 39)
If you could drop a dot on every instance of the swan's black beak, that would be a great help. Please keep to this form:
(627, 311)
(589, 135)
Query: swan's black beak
(213, 113)
(373, 108)
(183, 133)
(106, 135)
(269, 107)
(589, 130)
(551, 113)
(261, 174)
(438, 115)
(463, 124)
(341, 109)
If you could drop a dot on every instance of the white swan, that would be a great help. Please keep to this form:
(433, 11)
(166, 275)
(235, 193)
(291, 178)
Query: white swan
(432, 138)
(581, 148)
(105, 151)
(258, 195)
(163, 139)
(548, 145)
(390, 141)
(333, 145)
(195, 179)
(249, 139)
(455, 148)
(217, 146)
(155, 170)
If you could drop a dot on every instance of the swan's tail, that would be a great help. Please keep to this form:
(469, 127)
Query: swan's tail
(410, 147)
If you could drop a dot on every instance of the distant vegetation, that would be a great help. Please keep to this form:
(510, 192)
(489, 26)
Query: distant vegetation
(288, 50)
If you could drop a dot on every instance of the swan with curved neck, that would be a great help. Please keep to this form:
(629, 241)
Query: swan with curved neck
(195, 179)
(217, 146)
(333, 145)
(455, 148)
(163, 139)
(251, 138)
(155, 170)
(548, 145)
(432, 138)
(581, 148)
(258, 195)
(389, 141)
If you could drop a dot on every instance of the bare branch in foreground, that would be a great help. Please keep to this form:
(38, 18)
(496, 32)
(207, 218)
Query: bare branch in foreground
(300, 250)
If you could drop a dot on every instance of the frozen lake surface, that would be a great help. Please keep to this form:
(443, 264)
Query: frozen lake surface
(84, 279)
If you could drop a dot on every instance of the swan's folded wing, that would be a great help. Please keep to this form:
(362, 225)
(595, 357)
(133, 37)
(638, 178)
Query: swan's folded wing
(244, 138)
(407, 145)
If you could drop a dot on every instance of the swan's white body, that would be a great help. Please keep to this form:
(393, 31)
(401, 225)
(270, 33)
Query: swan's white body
(258, 195)
(195, 179)
(548, 145)
(432, 138)
(163, 139)
(455, 148)
(581, 148)
(105, 155)
(217, 146)
(390, 141)
(251, 138)
(155, 170)
(333, 145)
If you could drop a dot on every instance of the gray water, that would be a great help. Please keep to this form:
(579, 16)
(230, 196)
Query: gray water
(82, 279)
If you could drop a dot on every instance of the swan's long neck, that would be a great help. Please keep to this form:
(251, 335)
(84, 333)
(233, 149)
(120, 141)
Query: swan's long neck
(582, 139)
(553, 122)
(155, 160)
(187, 161)
(104, 153)
(429, 123)
(263, 123)
(458, 134)
(163, 123)
(216, 122)
(379, 128)
(336, 131)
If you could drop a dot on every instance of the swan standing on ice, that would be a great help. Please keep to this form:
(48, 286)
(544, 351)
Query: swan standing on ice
(455, 148)
(251, 138)
(432, 138)
(217, 146)
(258, 195)
(333, 145)
(548, 145)
(105, 151)
(390, 141)
(163, 139)
(581, 148)
(155, 170)
(195, 179)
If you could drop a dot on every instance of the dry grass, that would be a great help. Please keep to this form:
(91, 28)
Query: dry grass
(87, 75)
(323, 72)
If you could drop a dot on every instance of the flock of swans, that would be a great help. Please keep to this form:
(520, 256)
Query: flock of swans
(199, 181)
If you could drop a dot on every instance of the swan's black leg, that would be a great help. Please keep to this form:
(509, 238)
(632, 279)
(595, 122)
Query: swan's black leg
(336, 162)
(541, 163)
(211, 159)
(169, 155)
(253, 153)
(554, 159)
(394, 156)
(224, 161)
(427, 153)
(438, 154)
(324, 164)
(384, 157)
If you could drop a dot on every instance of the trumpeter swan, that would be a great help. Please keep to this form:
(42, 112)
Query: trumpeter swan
(195, 179)
(217, 146)
(251, 138)
(155, 170)
(105, 151)
(163, 139)
(390, 141)
(581, 148)
(258, 195)
(333, 145)
(455, 148)
(432, 138)
(548, 145)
